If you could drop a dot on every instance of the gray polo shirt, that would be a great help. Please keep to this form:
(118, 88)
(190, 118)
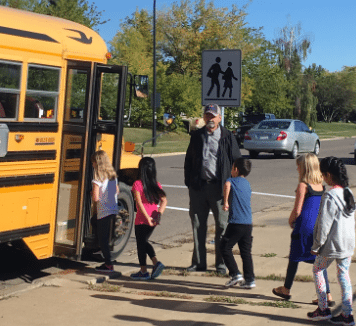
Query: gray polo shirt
(210, 154)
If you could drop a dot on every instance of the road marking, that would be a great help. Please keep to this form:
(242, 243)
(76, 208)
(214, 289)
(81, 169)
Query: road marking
(178, 208)
(254, 193)
(274, 195)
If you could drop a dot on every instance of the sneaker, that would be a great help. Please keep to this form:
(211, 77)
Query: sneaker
(157, 270)
(140, 276)
(234, 280)
(342, 320)
(105, 268)
(247, 285)
(319, 314)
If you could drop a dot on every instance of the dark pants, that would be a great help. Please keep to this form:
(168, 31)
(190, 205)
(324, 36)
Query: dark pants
(201, 202)
(242, 235)
(103, 229)
(292, 271)
(144, 248)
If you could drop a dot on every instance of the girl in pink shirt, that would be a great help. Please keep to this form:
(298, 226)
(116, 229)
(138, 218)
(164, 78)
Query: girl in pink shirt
(148, 194)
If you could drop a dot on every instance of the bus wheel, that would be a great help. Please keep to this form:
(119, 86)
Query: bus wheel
(124, 221)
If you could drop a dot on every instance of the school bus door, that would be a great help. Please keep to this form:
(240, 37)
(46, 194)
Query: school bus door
(91, 121)
(106, 132)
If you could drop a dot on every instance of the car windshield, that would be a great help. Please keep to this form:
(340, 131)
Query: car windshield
(274, 125)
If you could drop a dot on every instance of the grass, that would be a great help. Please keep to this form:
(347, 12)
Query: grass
(175, 141)
(178, 140)
(335, 129)
(274, 277)
(269, 255)
(166, 294)
(105, 287)
(233, 300)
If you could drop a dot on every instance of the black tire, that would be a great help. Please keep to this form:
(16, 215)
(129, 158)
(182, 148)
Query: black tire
(355, 156)
(316, 148)
(253, 154)
(294, 152)
(124, 222)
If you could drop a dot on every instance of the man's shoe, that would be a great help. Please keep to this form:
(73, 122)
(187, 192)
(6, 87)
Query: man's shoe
(342, 320)
(196, 268)
(319, 314)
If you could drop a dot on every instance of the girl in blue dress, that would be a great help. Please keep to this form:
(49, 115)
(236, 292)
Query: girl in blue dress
(302, 220)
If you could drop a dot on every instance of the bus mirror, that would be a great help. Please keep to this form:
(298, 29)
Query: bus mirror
(141, 86)
(168, 119)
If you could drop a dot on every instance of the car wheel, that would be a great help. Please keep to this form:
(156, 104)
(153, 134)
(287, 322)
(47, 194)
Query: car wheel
(355, 156)
(317, 149)
(294, 152)
(253, 154)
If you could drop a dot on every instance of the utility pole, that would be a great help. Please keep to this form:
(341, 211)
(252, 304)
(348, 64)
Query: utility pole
(154, 118)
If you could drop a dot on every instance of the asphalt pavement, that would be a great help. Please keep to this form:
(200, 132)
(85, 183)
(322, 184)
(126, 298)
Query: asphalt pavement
(80, 296)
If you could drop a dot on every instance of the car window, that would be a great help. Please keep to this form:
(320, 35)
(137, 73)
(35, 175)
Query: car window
(297, 126)
(274, 125)
(304, 126)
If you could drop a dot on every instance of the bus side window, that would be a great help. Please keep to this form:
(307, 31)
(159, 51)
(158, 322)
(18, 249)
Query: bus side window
(42, 92)
(10, 73)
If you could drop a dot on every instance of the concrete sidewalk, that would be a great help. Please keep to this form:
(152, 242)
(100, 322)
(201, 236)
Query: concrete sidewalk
(77, 297)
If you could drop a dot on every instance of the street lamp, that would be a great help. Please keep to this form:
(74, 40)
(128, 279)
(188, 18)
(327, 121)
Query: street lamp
(154, 118)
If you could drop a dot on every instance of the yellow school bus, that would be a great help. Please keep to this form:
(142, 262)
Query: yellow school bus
(53, 116)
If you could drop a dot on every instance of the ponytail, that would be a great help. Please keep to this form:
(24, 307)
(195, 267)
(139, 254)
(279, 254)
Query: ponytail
(349, 199)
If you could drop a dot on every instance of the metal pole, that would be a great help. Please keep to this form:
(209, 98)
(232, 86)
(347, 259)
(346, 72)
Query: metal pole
(154, 118)
(222, 116)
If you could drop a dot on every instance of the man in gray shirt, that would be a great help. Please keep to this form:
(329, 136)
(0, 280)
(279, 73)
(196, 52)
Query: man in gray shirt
(208, 162)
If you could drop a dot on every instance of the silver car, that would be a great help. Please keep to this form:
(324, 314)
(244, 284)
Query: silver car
(281, 136)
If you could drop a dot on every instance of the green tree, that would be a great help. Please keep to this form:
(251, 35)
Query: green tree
(183, 31)
(79, 11)
(270, 84)
(188, 28)
(294, 46)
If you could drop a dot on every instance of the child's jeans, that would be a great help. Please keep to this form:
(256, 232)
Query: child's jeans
(342, 266)
(242, 235)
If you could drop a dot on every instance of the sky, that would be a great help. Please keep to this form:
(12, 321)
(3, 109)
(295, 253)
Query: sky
(330, 24)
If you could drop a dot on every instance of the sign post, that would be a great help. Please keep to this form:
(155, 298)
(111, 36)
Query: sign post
(221, 77)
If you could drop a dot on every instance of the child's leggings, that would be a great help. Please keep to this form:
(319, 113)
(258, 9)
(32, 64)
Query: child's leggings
(103, 228)
(144, 248)
(342, 266)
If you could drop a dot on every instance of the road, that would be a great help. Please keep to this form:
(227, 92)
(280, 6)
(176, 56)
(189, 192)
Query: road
(273, 183)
